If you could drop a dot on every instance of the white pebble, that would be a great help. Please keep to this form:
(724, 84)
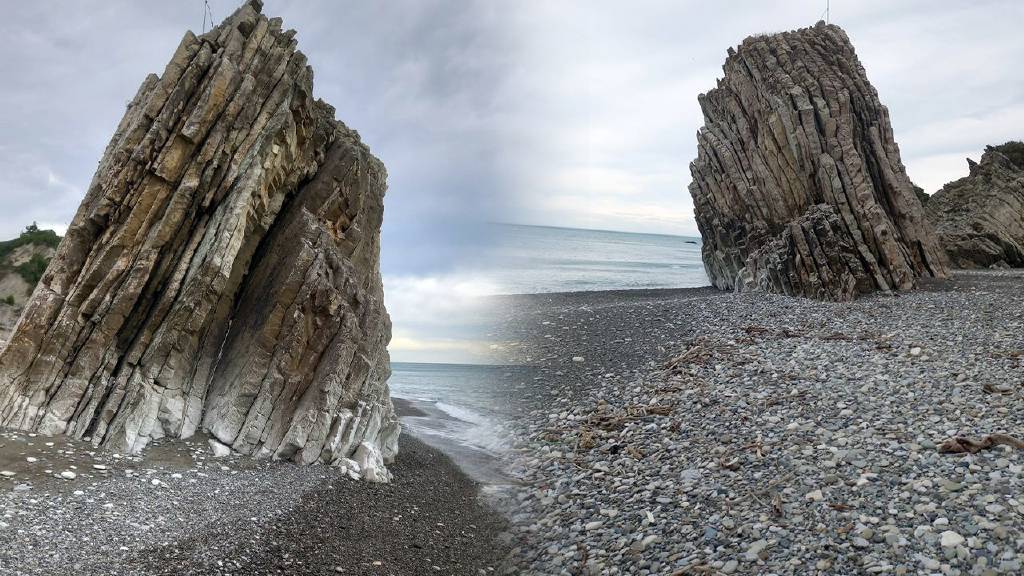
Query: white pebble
(951, 539)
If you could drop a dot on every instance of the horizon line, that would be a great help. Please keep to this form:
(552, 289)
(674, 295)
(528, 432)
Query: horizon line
(459, 364)
(595, 230)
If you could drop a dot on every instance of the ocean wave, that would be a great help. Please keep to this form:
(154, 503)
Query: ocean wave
(462, 413)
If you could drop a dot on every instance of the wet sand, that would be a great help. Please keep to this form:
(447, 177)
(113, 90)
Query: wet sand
(405, 408)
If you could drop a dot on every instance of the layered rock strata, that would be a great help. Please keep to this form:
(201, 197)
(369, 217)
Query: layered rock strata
(222, 273)
(798, 186)
(980, 217)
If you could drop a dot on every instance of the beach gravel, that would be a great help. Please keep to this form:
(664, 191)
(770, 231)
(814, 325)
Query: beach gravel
(178, 510)
(709, 432)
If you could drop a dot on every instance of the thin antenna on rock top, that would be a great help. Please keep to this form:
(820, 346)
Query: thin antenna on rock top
(207, 12)
(825, 16)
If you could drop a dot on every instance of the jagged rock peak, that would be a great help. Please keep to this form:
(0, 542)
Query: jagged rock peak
(980, 217)
(798, 186)
(221, 274)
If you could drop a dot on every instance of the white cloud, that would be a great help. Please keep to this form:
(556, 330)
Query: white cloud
(61, 228)
(606, 212)
(940, 169)
(440, 318)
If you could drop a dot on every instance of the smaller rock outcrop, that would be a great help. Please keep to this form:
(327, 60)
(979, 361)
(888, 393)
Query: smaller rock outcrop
(980, 217)
(798, 186)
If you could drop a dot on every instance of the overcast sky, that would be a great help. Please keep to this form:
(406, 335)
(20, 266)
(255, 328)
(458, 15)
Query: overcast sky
(612, 87)
(570, 113)
(421, 80)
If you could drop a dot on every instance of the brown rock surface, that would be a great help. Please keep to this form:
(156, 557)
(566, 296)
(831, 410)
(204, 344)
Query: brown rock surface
(222, 272)
(980, 217)
(798, 186)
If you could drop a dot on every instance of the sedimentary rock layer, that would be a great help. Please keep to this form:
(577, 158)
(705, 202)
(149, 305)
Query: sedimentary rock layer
(980, 217)
(222, 272)
(798, 186)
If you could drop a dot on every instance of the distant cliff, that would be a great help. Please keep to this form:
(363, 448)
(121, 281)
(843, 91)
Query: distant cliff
(980, 217)
(798, 186)
(22, 263)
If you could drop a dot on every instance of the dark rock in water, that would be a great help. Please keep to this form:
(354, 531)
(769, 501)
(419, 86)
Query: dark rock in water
(798, 186)
(222, 273)
(980, 217)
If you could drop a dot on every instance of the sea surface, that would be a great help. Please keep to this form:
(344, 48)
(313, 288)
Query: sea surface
(539, 259)
(461, 409)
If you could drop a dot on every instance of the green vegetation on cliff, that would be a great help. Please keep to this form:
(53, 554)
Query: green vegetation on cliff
(33, 269)
(1014, 150)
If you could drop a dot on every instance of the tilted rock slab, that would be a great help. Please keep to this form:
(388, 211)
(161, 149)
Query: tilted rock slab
(222, 273)
(798, 186)
(980, 217)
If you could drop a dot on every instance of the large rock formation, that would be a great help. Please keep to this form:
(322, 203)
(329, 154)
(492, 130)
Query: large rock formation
(980, 217)
(798, 186)
(222, 272)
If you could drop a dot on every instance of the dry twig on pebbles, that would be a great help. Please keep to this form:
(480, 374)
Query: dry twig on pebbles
(964, 444)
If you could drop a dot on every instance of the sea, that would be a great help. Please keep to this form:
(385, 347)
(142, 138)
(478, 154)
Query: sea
(541, 259)
(459, 409)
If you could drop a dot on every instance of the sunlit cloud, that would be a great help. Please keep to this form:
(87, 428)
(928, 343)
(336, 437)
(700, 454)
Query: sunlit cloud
(605, 212)
(440, 318)
(405, 348)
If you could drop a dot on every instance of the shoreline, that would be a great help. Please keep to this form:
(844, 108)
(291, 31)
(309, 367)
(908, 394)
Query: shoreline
(178, 510)
(701, 431)
(405, 408)
(429, 424)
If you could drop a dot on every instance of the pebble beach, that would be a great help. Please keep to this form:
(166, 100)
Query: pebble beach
(698, 432)
(69, 509)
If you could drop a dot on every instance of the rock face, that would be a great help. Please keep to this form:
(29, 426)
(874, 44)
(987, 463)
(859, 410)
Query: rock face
(798, 186)
(980, 217)
(222, 273)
